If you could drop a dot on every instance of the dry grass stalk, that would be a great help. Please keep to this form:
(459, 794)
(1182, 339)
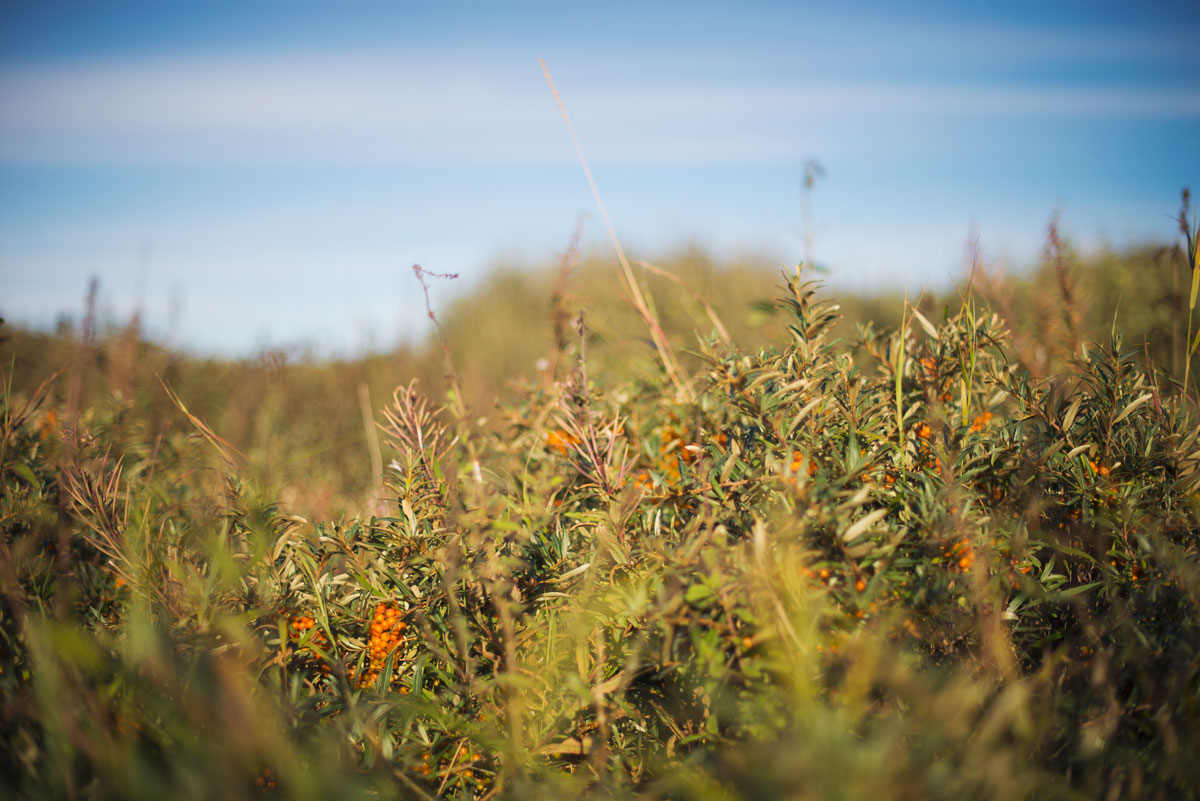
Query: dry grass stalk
(82, 352)
(600, 451)
(665, 354)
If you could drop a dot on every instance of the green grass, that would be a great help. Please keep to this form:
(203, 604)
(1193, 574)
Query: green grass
(923, 560)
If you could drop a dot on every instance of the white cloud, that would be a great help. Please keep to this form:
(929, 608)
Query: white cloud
(390, 108)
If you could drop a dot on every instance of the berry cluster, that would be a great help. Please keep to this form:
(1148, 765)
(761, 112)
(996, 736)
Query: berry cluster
(562, 441)
(458, 768)
(298, 628)
(385, 636)
(961, 554)
(799, 461)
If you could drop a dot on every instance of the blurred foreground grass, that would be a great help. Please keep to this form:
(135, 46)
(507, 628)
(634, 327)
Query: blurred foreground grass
(951, 553)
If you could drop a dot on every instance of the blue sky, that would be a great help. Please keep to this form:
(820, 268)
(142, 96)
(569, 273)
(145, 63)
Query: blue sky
(266, 172)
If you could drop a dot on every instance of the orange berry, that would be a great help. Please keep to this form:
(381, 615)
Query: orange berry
(561, 441)
(980, 421)
(860, 585)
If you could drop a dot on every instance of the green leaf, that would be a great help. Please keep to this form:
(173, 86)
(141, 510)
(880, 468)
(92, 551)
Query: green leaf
(1128, 410)
(699, 595)
(1062, 595)
(929, 329)
(26, 472)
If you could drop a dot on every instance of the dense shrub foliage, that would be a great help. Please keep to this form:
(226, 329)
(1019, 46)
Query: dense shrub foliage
(902, 569)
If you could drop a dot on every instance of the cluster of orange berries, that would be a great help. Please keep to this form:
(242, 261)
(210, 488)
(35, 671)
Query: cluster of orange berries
(298, 627)
(929, 365)
(1133, 569)
(674, 452)
(861, 586)
(1070, 517)
(562, 441)
(385, 635)
(799, 460)
(824, 574)
(265, 780)
(1107, 496)
(463, 756)
(924, 433)
(827, 576)
(962, 554)
(299, 624)
(981, 421)
(48, 425)
(1023, 568)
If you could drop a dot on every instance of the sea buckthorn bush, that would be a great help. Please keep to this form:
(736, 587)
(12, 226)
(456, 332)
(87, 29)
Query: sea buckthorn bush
(900, 567)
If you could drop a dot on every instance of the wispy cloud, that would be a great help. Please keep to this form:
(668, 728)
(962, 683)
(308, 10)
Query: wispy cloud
(360, 108)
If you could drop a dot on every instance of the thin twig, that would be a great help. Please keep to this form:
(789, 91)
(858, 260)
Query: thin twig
(458, 400)
(82, 352)
(661, 344)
